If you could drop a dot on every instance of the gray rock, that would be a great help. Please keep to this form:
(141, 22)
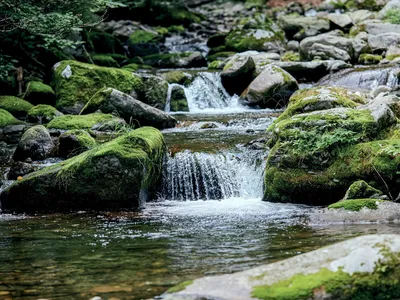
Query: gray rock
(377, 27)
(381, 42)
(237, 74)
(343, 21)
(293, 46)
(272, 88)
(326, 52)
(36, 143)
(361, 15)
(133, 110)
(392, 4)
(346, 260)
(293, 24)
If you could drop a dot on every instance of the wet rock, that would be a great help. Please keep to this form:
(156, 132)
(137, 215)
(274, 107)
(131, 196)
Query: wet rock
(178, 100)
(36, 143)
(352, 268)
(369, 59)
(178, 77)
(19, 169)
(130, 109)
(144, 42)
(74, 142)
(209, 126)
(237, 74)
(216, 40)
(120, 174)
(12, 134)
(272, 88)
(6, 153)
(152, 91)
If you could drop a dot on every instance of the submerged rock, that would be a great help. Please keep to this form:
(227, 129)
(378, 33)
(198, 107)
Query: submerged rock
(272, 88)
(120, 174)
(365, 267)
(36, 144)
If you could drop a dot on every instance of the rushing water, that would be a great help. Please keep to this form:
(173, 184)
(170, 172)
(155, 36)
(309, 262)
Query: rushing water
(209, 218)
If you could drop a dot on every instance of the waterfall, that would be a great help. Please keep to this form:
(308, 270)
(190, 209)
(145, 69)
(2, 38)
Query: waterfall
(205, 176)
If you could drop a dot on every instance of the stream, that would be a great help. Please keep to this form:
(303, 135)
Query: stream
(209, 218)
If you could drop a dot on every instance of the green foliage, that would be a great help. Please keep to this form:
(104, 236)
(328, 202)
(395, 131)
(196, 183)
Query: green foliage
(393, 16)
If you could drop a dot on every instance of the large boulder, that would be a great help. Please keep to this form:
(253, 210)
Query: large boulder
(176, 60)
(362, 190)
(74, 142)
(120, 174)
(76, 83)
(381, 42)
(365, 267)
(324, 142)
(36, 143)
(272, 88)
(130, 109)
(153, 90)
(7, 119)
(237, 74)
(292, 24)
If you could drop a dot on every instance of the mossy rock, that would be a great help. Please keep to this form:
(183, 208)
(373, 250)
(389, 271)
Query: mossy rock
(95, 120)
(131, 67)
(14, 105)
(120, 174)
(153, 91)
(144, 43)
(360, 189)
(216, 65)
(268, 39)
(39, 93)
(74, 142)
(220, 56)
(356, 204)
(43, 113)
(7, 119)
(176, 60)
(291, 56)
(374, 5)
(105, 60)
(178, 77)
(178, 100)
(76, 83)
(369, 59)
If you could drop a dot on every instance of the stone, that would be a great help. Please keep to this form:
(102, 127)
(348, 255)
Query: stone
(36, 143)
(362, 190)
(326, 52)
(237, 74)
(293, 24)
(43, 113)
(15, 106)
(130, 109)
(272, 88)
(19, 169)
(95, 121)
(178, 101)
(293, 45)
(74, 142)
(392, 4)
(7, 119)
(120, 174)
(39, 93)
(381, 42)
(340, 21)
(352, 268)
(176, 60)
(144, 42)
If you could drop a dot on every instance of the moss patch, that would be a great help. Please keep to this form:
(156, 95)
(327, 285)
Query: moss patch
(16, 106)
(43, 111)
(7, 119)
(69, 122)
(180, 287)
(356, 204)
(39, 93)
(369, 59)
(105, 60)
(291, 56)
(86, 79)
(141, 36)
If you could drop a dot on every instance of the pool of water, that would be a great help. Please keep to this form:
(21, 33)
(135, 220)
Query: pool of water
(137, 255)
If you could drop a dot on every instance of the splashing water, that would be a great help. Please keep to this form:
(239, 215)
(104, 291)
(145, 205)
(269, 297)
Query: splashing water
(204, 176)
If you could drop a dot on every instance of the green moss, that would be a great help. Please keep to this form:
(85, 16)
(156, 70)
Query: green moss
(7, 119)
(69, 122)
(356, 204)
(141, 36)
(178, 77)
(291, 56)
(220, 55)
(103, 42)
(39, 87)
(215, 65)
(16, 106)
(369, 59)
(84, 138)
(131, 67)
(393, 16)
(180, 287)
(176, 29)
(392, 56)
(162, 30)
(360, 4)
(86, 80)
(105, 60)
(360, 189)
(43, 111)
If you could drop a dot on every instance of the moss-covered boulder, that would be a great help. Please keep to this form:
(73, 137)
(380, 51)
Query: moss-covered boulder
(178, 77)
(120, 174)
(142, 43)
(35, 143)
(316, 155)
(130, 109)
(43, 113)
(365, 267)
(7, 119)
(272, 88)
(95, 121)
(361, 190)
(76, 83)
(14, 105)
(39, 93)
(153, 90)
(356, 204)
(74, 142)
(369, 59)
(176, 60)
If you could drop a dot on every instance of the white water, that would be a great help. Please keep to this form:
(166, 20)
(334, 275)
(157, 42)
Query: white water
(204, 176)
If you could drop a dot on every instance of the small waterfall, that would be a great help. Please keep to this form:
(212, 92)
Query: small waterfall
(207, 91)
(204, 176)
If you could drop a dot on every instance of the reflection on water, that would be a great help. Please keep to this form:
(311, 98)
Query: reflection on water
(140, 254)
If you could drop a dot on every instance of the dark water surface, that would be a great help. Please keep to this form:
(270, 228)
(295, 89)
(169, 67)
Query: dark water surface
(138, 255)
